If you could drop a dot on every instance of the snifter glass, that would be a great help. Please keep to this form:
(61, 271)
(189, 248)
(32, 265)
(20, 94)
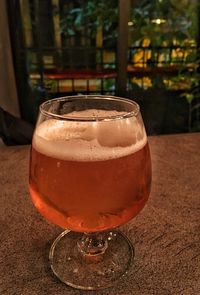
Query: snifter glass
(90, 172)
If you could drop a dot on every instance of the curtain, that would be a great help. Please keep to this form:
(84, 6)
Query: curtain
(8, 90)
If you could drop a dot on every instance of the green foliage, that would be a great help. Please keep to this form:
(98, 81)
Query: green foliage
(85, 17)
(180, 22)
(178, 28)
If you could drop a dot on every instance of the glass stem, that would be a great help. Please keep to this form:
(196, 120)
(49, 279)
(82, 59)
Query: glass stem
(92, 245)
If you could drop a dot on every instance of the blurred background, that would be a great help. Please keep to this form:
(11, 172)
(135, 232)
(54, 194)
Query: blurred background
(145, 50)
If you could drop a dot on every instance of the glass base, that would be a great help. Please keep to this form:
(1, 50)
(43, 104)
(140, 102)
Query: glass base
(91, 271)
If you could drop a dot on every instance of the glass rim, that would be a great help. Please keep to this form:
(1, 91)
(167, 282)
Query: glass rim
(66, 117)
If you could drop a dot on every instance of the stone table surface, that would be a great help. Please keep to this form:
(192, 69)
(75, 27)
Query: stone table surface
(166, 234)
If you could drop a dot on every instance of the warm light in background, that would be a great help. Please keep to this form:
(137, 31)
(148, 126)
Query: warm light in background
(130, 24)
(158, 21)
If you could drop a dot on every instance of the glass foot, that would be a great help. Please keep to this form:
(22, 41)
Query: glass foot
(86, 262)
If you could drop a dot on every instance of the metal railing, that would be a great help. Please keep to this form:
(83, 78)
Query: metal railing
(94, 69)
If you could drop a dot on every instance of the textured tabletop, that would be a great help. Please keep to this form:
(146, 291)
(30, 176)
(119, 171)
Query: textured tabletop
(166, 234)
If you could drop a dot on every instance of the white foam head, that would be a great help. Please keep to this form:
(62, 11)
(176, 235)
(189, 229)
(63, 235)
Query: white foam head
(91, 140)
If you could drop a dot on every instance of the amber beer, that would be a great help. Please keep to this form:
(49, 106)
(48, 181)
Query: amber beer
(87, 179)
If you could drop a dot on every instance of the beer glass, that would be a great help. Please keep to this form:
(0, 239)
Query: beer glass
(90, 172)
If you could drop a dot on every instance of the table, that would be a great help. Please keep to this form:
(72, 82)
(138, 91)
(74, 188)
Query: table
(166, 234)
